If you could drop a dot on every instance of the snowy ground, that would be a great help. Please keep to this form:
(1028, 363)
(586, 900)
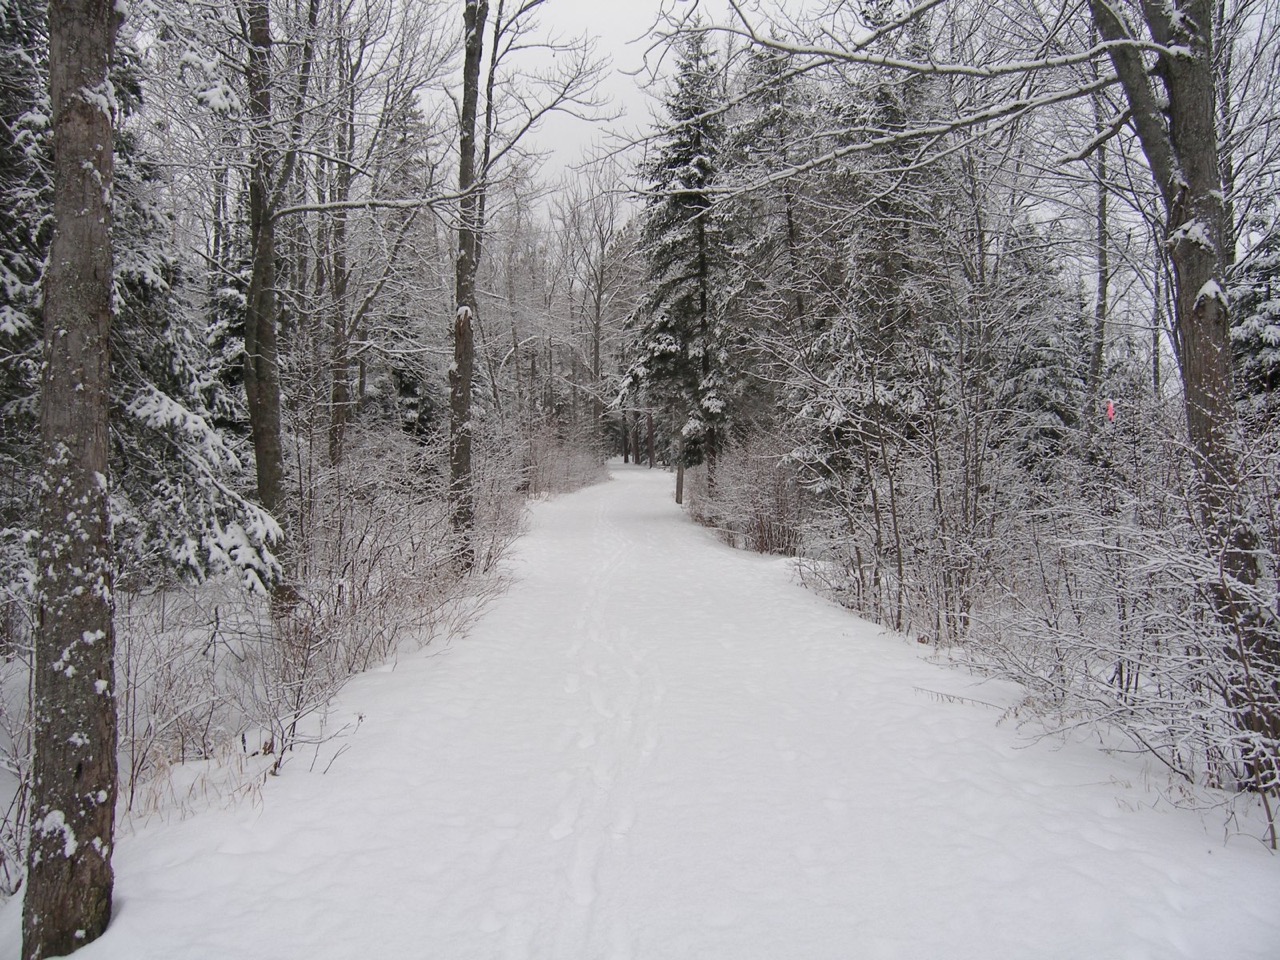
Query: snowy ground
(658, 748)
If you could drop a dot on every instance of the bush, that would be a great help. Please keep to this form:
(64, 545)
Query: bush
(755, 503)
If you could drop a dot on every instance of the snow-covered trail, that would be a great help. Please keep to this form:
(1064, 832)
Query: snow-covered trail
(655, 747)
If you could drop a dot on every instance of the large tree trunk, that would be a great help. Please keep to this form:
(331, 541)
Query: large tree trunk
(1177, 127)
(461, 497)
(261, 349)
(69, 876)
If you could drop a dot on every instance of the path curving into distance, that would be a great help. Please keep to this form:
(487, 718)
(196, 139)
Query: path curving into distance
(657, 748)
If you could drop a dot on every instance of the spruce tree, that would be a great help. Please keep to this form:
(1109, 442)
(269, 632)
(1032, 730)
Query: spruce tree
(1255, 331)
(178, 475)
(681, 361)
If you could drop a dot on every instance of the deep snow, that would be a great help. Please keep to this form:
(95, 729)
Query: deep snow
(655, 747)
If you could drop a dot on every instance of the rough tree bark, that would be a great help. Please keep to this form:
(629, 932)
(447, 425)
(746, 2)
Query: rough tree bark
(1177, 127)
(69, 875)
(261, 348)
(461, 496)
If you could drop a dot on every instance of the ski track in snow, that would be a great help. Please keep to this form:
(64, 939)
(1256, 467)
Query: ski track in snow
(655, 748)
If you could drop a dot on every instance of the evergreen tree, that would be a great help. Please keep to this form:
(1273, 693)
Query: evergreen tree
(681, 360)
(25, 200)
(786, 241)
(876, 356)
(1255, 330)
(177, 504)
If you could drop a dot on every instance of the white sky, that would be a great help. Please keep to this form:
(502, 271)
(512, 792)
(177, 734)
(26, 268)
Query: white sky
(621, 29)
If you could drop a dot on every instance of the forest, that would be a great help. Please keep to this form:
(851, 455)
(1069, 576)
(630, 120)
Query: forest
(965, 306)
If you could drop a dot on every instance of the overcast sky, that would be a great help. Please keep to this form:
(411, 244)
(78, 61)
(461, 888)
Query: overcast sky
(621, 29)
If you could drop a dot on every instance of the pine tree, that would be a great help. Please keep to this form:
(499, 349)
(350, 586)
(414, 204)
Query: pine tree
(177, 475)
(1255, 330)
(681, 360)
(25, 198)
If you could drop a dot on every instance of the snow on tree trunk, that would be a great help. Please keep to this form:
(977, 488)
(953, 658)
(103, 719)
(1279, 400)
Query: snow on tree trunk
(261, 349)
(69, 878)
(1177, 128)
(461, 497)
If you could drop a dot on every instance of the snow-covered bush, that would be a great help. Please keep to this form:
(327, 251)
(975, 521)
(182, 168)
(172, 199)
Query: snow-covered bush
(755, 503)
(374, 568)
(555, 459)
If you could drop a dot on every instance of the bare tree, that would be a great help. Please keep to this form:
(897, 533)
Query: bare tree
(261, 346)
(1175, 115)
(593, 224)
(461, 504)
(363, 136)
(510, 112)
(69, 875)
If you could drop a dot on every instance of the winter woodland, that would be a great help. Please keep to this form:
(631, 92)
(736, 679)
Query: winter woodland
(965, 307)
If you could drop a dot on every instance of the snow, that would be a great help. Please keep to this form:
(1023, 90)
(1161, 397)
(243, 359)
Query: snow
(103, 96)
(654, 747)
(1211, 290)
(1193, 231)
(219, 98)
(55, 821)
